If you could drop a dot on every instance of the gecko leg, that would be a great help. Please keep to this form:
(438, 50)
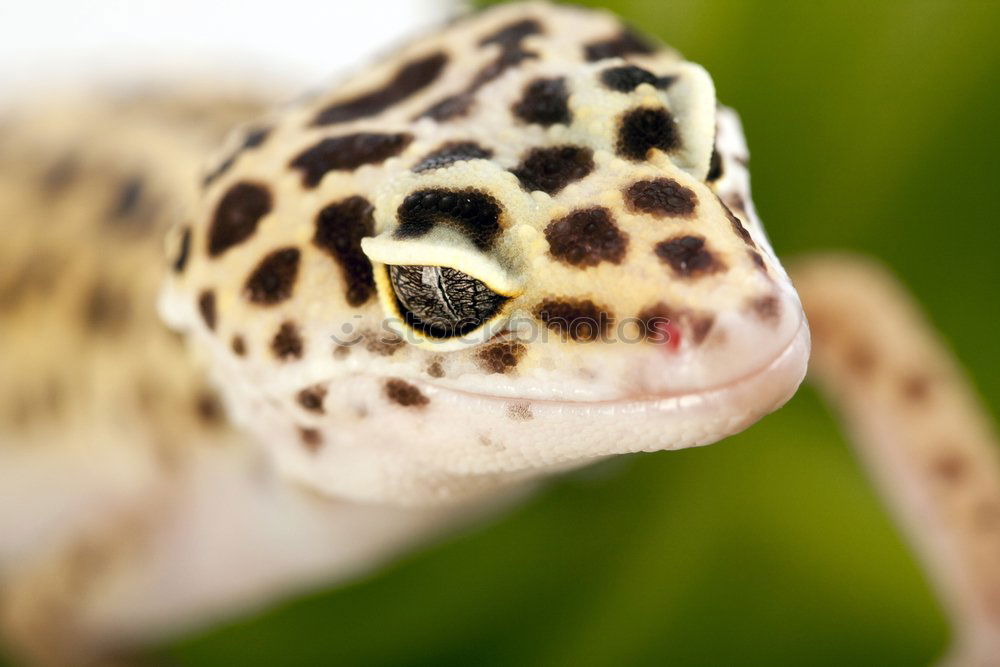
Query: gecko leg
(921, 431)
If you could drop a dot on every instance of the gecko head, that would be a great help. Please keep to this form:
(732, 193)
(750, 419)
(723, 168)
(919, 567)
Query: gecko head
(557, 263)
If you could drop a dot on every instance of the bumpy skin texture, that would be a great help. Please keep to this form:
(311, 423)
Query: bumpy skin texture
(562, 161)
(541, 169)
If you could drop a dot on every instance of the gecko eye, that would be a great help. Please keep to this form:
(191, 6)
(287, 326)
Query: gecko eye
(441, 302)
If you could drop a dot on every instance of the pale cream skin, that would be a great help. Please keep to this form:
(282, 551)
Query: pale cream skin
(347, 451)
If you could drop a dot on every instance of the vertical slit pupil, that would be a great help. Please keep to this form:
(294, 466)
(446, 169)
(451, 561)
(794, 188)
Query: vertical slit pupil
(442, 302)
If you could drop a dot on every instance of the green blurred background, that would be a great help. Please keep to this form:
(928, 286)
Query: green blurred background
(873, 127)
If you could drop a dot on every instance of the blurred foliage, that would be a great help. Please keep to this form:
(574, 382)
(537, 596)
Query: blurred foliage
(873, 127)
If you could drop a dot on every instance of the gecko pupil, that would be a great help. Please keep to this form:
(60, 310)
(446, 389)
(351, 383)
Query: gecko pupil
(442, 302)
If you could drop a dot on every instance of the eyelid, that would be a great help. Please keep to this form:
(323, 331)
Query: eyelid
(693, 105)
(383, 250)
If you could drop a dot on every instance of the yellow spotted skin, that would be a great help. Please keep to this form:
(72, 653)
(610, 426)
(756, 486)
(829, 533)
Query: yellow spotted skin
(85, 207)
(87, 192)
(516, 245)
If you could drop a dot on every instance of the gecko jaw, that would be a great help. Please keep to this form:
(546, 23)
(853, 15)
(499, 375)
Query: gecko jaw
(756, 393)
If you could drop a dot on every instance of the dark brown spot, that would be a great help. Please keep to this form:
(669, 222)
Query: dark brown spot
(253, 138)
(625, 43)
(627, 78)
(688, 256)
(758, 260)
(586, 237)
(347, 153)
(511, 55)
(737, 225)
(860, 358)
(237, 215)
(714, 166)
(552, 169)
(520, 412)
(507, 59)
(500, 357)
(408, 79)
(767, 308)
(476, 214)
(435, 369)
(656, 324)
(341, 351)
(581, 320)
(486, 441)
(311, 398)
(661, 197)
(225, 165)
(274, 278)
(287, 343)
(700, 326)
(642, 130)
(39, 274)
(128, 199)
(180, 262)
(311, 438)
(665, 325)
(511, 35)
(950, 467)
(238, 346)
(450, 107)
(450, 153)
(545, 102)
(735, 202)
(61, 174)
(256, 136)
(915, 388)
(208, 408)
(206, 306)
(383, 343)
(405, 394)
(106, 309)
(340, 226)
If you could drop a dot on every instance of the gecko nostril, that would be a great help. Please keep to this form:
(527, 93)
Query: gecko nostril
(665, 333)
(670, 327)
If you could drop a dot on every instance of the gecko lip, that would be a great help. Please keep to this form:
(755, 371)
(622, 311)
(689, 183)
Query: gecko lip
(761, 390)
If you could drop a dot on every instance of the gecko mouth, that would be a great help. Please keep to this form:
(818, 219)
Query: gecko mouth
(468, 441)
(760, 390)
